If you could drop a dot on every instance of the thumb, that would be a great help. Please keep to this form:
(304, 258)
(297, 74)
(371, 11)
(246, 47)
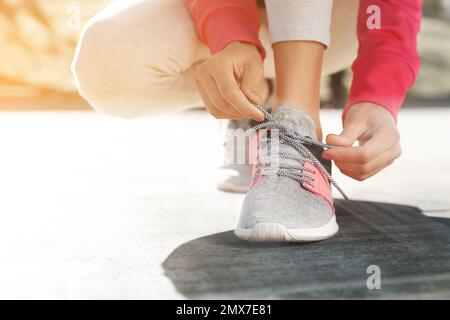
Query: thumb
(252, 82)
(346, 138)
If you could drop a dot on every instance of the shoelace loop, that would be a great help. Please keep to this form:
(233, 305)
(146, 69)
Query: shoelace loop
(293, 138)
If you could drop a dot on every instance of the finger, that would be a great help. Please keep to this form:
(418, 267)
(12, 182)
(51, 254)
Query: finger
(252, 80)
(363, 171)
(347, 137)
(253, 96)
(378, 143)
(230, 92)
(218, 103)
(358, 176)
(212, 109)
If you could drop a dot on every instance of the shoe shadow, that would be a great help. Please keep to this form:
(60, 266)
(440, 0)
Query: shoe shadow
(411, 250)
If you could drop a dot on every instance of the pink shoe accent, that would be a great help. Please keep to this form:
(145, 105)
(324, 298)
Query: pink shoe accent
(320, 184)
(256, 159)
(255, 180)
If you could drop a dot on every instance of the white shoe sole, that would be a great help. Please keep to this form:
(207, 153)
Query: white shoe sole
(276, 232)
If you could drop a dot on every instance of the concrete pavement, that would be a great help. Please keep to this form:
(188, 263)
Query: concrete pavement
(98, 207)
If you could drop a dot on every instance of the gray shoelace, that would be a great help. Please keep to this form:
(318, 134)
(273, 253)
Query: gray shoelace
(293, 138)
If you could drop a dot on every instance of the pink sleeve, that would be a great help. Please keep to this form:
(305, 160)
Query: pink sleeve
(220, 22)
(387, 62)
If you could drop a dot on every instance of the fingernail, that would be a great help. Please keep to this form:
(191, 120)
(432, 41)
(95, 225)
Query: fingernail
(253, 96)
(260, 117)
(326, 156)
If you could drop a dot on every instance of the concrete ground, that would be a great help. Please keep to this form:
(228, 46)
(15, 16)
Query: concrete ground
(98, 207)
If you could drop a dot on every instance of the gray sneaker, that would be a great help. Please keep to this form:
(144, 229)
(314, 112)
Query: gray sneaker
(237, 177)
(290, 200)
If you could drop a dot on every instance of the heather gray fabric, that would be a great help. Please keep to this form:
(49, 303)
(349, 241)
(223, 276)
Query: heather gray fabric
(279, 199)
(285, 16)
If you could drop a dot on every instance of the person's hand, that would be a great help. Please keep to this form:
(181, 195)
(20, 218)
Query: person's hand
(375, 129)
(228, 78)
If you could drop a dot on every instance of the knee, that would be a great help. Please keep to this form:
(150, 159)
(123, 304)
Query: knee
(109, 73)
(114, 76)
(93, 68)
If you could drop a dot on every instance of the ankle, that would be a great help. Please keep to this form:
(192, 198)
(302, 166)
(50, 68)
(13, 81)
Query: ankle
(318, 131)
(312, 112)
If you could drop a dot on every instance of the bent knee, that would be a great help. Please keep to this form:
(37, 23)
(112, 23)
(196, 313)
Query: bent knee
(107, 74)
(121, 70)
(93, 66)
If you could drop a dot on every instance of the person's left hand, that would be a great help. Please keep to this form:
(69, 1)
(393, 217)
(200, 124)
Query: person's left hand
(375, 129)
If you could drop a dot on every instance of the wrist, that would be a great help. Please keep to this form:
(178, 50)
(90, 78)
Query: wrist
(367, 111)
(243, 46)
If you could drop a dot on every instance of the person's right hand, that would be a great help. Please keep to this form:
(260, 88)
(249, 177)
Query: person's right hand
(229, 78)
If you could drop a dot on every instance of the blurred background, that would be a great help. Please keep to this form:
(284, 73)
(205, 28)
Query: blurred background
(38, 39)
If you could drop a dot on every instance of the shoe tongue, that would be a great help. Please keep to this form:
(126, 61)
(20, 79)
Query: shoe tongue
(297, 120)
